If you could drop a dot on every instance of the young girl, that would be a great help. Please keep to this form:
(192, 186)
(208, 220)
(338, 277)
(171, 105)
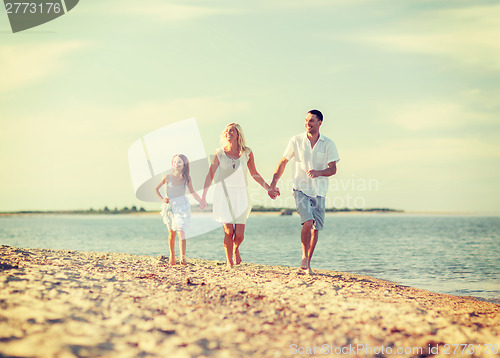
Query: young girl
(175, 208)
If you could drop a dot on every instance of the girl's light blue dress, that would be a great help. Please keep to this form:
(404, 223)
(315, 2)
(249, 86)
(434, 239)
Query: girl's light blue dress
(176, 214)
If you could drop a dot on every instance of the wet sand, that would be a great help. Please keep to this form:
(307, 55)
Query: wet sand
(60, 303)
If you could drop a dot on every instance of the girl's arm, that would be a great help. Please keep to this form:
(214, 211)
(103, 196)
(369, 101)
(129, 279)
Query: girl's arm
(157, 190)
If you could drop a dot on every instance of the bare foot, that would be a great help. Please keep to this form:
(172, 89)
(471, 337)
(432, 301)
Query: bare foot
(309, 271)
(183, 261)
(230, 265)
(172, 261)
(237, 256)
(304, 264)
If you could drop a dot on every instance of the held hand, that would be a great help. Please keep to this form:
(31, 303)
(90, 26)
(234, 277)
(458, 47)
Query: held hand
(273, 193)
(313, 173)
(166, 200)
(203, 204)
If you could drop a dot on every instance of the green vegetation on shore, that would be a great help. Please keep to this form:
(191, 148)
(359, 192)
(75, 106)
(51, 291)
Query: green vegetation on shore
(289, 211)
(91, 211)
(134, 210)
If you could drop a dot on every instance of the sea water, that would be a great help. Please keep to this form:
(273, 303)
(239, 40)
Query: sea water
(452, 254)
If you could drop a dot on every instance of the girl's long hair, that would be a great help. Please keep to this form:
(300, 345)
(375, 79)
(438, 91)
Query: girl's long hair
(241, 137)
(185, 169)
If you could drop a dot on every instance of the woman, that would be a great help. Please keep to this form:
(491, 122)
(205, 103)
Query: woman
(231, 201)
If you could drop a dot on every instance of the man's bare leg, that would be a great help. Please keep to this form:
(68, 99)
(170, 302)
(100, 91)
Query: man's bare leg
(228, 243)
(239, 235)
(305, 238)
(312, 245)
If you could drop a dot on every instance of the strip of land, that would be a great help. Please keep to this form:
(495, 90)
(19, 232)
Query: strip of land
(59, 303)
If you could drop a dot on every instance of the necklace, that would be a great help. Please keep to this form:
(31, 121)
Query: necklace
(233, 160)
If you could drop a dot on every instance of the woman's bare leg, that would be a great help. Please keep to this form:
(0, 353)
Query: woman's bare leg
(239, 235)
(228, 243)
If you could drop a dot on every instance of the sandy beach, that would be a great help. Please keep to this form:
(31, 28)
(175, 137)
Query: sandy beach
(60, 303)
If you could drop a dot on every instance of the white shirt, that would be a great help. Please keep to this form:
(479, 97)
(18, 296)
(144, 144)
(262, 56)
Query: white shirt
(306, 158)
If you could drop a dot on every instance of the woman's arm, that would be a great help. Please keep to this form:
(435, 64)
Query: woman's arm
(255, 174)
(210, 177)
(193, 193)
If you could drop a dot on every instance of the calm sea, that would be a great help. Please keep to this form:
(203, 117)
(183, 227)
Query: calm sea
(459, 255)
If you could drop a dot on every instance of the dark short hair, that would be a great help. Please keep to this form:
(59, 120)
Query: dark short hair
(317, 114)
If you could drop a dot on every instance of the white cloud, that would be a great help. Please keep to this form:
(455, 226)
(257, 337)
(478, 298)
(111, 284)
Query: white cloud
(26, 64)
(310, 3)
(467, 35)
(410, 156)
(485, 99)
(434, 115)
(165, 10)
(92, 121)
(178, 11)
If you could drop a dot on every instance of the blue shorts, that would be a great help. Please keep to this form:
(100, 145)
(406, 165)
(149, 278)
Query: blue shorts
(310, 208)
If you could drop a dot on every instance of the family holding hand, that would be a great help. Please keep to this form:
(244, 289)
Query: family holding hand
(314, 157)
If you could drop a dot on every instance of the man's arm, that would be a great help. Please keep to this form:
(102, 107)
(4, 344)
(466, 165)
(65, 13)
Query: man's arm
(289, 154)
(328, 172)
(279, 172)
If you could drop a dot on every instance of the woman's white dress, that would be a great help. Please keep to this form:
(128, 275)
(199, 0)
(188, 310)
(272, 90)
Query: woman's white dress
(231, 199)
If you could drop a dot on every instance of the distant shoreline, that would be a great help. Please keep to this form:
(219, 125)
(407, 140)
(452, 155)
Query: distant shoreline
(255, 209)
(278, 212)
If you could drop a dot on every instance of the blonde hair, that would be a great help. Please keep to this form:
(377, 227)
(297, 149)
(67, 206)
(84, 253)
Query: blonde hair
(241, 137)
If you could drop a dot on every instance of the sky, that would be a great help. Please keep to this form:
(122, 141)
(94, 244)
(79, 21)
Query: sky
(410, 92)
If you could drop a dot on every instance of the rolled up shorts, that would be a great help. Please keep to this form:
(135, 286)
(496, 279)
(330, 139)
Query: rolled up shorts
(310, 208)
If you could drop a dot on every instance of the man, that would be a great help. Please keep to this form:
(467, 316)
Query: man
(315, 159)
